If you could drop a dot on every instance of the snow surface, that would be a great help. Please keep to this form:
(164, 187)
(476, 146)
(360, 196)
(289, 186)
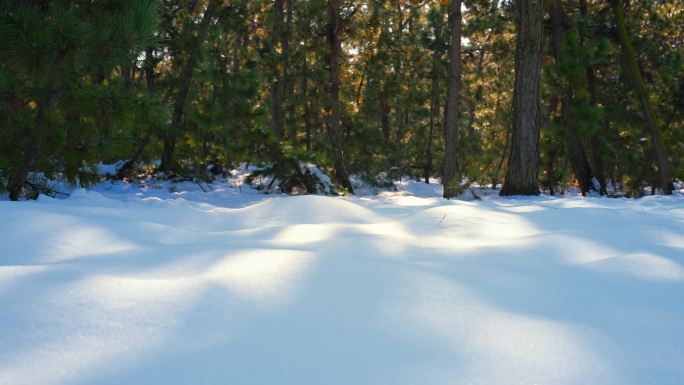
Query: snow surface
(142, 285)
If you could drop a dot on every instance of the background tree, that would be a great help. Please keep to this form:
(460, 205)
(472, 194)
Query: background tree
(187, 90)
(637, 82)
(65, 81)
(452, 105)
(336, 27)
(521, 177)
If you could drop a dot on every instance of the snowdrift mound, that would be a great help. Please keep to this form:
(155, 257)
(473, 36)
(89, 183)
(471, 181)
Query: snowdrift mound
(392, 289)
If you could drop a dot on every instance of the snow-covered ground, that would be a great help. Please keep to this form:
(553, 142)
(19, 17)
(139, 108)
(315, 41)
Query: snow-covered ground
(129, 285)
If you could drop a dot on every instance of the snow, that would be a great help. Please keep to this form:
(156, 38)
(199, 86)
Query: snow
(129, 284)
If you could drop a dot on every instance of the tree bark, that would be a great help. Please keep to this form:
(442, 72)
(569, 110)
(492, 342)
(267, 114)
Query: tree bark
(334, 117)
(522, 173)
(659, 154)
(434, 95)
(576, 153)
(278, 85)
(384, 114)
(470, 125)
(507, 143)
(307, 107)
(288, 77)
(239, 41)
(596, 153)
(453, 90)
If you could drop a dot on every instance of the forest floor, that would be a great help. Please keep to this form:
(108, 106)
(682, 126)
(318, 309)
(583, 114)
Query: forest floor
(125, 284)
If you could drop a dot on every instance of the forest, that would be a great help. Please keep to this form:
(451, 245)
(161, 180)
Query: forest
(585, 94)
(341, 192)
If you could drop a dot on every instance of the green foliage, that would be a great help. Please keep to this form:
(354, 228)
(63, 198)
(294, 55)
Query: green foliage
(63, 99)
(295, 173)
(83, 82)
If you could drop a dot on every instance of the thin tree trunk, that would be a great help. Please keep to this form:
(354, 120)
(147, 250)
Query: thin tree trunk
(453, 90)
(470, 129)
(360, 87)
(659, 154)
(578, 158)
(278, 86)
(307, 107)
(315, 112)
(128, 166)
(334, 123)
(507, 144)
(288, 77)
(19, 175)
(384, 114)
(522, 173)
(434, 96)
(238, 42)
(596, 153)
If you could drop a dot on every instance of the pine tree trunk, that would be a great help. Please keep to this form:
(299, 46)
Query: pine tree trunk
(307, 107)
(169, 146)
(507, 144)
(278, 86)
(434, 95)
(127, 167)
(659, 154)
(596, 153)
(239, 41)
(580, 166)
(522, 173)
(19, 176)
(334, 123)
(578, 158)
(384, 114)
(289, 82)
(453, 90)
(470, 129)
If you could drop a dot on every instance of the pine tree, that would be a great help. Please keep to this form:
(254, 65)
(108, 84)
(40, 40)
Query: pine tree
(449, 176)
(61, 67)
(521, 177)
(637, 82)
(336, 26)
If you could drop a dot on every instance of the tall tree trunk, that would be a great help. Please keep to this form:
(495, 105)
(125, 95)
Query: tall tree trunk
(400, 101)
(19, 176)
(184, 82)
(596, 153)
(470, 129)
(578, 158)
(522, 173)
(307, 107)
(334, 124)
(507, 144)
(434, 95)
(453, 90)
(278, 85)
(289, 81)
(239, 41)
(659, 154)
(384, 113)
